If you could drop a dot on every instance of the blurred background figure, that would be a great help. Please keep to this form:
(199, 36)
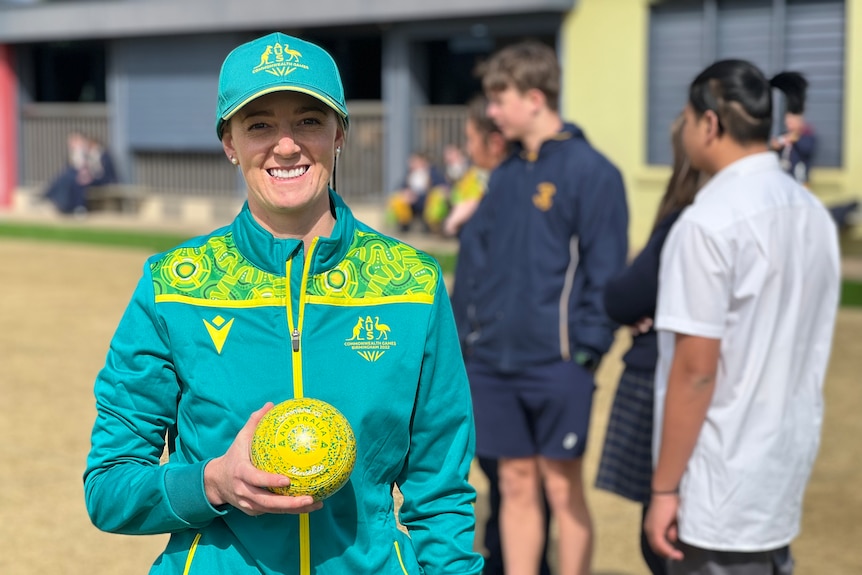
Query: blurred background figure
(740, 370)
(407, 204)
(533, 261)
(64, 186)
(630, 298)
(89, 164)
(456, 162)
(486, 147)
(795, 146)
(438, 201)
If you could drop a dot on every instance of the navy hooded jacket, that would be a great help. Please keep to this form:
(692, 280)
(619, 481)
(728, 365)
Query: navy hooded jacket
(534, 259)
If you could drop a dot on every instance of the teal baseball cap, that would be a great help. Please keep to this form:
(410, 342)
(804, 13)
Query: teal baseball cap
(274, 63)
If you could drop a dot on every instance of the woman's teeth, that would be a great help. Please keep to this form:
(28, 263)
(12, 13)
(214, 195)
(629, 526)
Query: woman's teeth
(287, 174)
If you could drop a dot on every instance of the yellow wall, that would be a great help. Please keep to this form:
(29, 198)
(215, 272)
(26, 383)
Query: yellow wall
(604, 60)
(604, 54)
(849, 179)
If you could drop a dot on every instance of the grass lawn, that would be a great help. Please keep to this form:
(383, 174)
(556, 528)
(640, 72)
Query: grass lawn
(851, 292)
(153, 241)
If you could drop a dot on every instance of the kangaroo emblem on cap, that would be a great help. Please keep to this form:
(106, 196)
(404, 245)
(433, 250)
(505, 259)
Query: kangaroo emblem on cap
(264, 58)
(286, 60)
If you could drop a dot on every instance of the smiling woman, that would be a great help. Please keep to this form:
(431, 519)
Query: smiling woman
(282, 118)
(295, 298)
(286, 144)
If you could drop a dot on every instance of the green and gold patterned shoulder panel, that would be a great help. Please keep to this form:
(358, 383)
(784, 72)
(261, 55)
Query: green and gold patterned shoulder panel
(214, 272)
(377, 266)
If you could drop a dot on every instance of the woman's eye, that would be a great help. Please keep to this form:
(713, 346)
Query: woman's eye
(256, 126)
(310, 121)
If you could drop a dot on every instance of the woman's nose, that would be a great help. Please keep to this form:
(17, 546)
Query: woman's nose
(286, 144)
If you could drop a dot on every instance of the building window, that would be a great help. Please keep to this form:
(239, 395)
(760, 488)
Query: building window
(452, 63)
(807, 36)
(359, 59)
(69, 72)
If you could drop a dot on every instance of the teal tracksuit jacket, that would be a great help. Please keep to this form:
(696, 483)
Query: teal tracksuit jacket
(226, 322)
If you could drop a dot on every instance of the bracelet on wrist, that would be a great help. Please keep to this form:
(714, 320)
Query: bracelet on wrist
(664, 491)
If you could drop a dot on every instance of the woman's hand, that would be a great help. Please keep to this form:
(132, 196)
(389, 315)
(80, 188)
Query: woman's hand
(643, 325)
(233, 479)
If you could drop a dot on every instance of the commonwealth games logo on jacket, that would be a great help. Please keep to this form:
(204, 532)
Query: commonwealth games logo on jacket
(371, 338)
(279, 60)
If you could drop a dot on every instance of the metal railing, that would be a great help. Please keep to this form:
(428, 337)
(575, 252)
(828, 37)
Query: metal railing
(360, 166)
(204, 174)
(434, 127)
(44, 130)
(45, 127)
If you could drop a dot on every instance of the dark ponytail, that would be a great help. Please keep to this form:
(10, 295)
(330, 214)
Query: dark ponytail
(794, 86)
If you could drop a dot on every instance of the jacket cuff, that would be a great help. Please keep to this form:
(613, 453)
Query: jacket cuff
(184, 486)
(587, 358)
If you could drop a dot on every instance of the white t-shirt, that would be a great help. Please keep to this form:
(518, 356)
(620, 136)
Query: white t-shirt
(753, 262)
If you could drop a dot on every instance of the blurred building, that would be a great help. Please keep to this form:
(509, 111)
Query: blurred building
(627, 65)
(142, 75)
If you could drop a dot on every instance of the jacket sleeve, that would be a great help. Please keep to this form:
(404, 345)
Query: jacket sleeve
(438, 498)
(469, 266)
(631, 295)
(602, 251)
(127, 489)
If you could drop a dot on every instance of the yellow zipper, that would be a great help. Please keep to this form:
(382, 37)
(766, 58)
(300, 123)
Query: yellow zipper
(304, 545)
(295, 335)
(191, 554)
(400, 559)
(296, 331)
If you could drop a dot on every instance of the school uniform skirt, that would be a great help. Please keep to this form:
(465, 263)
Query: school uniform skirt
(625, 467)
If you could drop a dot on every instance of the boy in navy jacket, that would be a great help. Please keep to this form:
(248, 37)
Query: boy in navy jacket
(551, 230)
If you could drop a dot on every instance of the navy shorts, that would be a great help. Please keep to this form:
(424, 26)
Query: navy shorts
(543, 410)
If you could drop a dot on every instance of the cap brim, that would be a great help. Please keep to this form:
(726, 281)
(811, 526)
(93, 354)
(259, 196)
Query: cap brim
(314, 94)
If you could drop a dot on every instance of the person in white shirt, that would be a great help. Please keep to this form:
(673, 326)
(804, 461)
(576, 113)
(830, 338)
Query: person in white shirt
(748, 292)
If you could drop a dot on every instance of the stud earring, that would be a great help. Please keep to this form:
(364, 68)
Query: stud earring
(337, 150)
(234, 161)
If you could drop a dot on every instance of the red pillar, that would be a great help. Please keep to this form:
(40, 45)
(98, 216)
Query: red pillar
(8, 123)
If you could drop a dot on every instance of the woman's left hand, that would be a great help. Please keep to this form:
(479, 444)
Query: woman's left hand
(233, 479)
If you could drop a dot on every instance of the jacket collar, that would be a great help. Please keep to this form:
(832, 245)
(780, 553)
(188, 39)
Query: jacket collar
(569, 131)
(270, 253)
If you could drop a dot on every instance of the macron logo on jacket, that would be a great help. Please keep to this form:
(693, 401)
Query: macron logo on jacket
(218, 330)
